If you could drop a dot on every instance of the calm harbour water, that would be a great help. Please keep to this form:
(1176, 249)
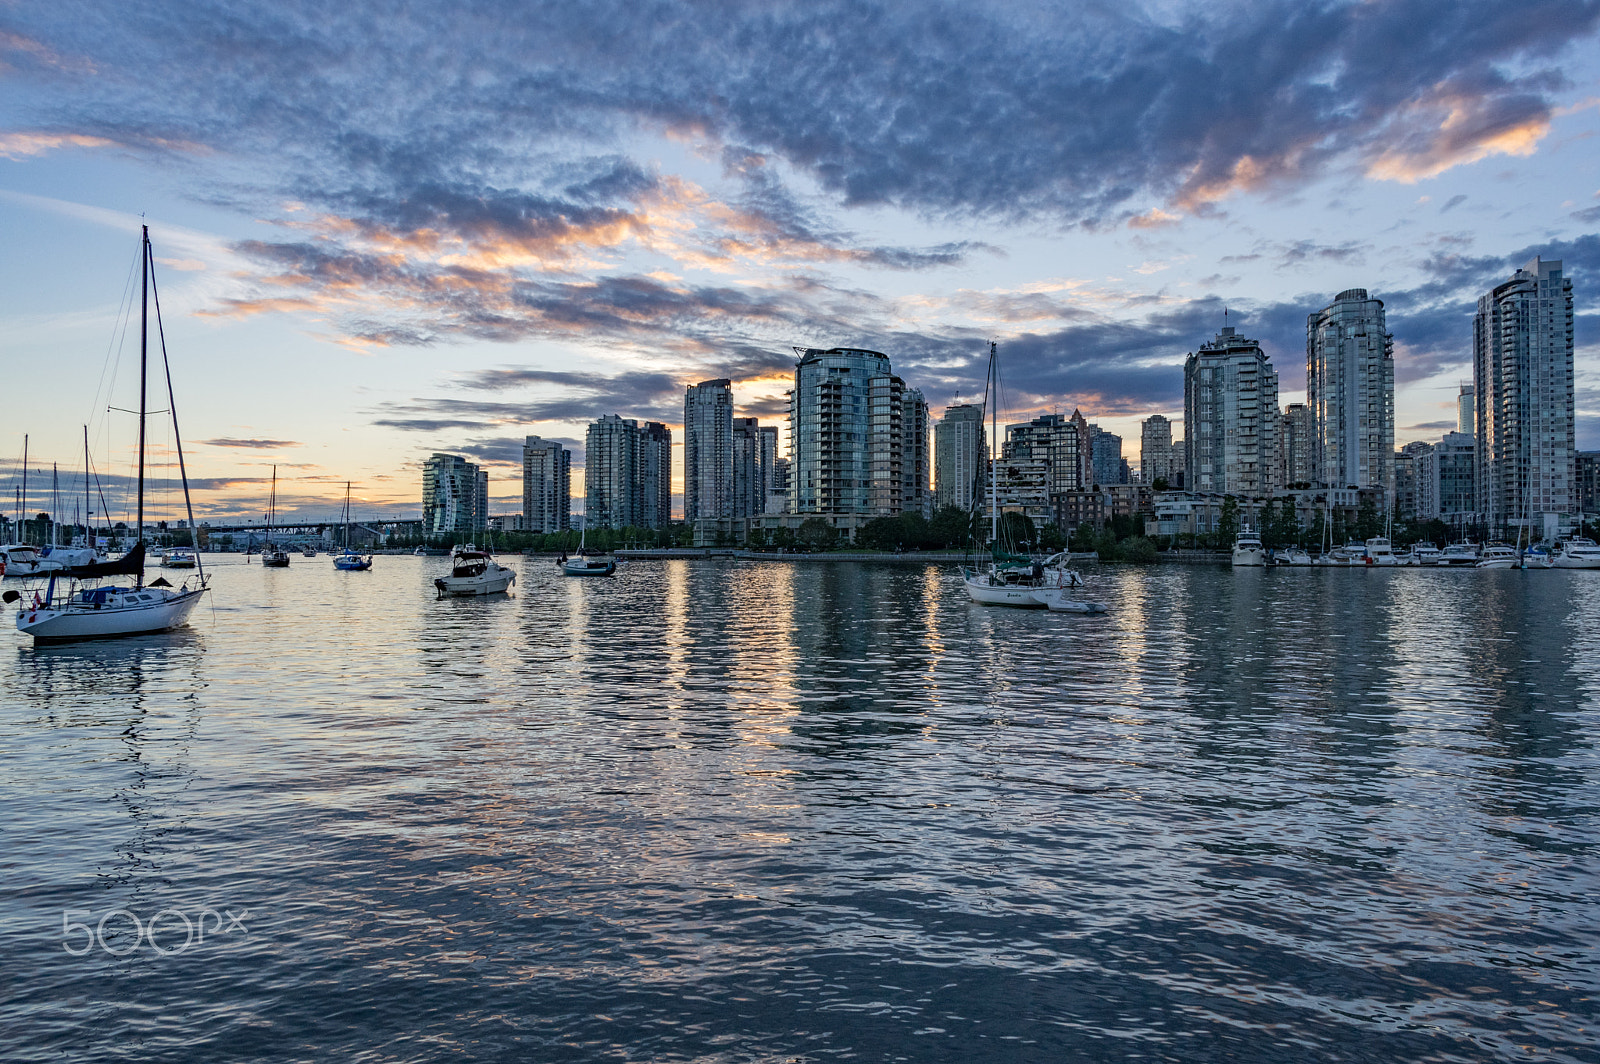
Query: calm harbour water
(727, 811)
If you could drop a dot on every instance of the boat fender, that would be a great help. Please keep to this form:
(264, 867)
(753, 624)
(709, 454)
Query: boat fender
(9, 597)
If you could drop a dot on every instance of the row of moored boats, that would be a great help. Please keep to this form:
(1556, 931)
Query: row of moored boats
(1577, 552)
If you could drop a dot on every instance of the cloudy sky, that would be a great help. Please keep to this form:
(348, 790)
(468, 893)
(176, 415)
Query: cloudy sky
(388, 229)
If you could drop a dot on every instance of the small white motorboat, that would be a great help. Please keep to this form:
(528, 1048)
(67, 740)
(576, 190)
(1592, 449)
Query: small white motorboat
(178, 558)
(1057, 600)
(1292, 556)
(474, 572)
(1498, 556)
(1579, 552)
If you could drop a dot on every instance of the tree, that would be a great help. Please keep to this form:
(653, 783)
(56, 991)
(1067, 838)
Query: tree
(815, 532)
(880, 533)
(1368, 524)
(950, 527)
(1160, 484)
(1228, 520)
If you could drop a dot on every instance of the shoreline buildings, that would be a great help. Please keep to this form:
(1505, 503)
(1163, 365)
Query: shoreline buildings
(1522, 376)
(1155, 450)
(959, 457)
(1350, 391)
(708, 451)
(627, 474)
(455, 496)
(857, 441)
(1230, 410)
(546, 485)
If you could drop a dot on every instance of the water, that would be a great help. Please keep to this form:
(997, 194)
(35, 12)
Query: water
(721, 811)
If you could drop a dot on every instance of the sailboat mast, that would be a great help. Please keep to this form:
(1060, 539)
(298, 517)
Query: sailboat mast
(88, 503)
(22, 500)
(144, 361)
(55, 503)
(994, 441)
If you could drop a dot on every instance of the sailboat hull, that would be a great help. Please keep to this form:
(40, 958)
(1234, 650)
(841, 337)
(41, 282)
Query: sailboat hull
(981, 591)
(139, 612)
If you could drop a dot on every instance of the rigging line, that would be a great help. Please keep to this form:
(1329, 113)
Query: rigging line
(172, 407)
(119, 333)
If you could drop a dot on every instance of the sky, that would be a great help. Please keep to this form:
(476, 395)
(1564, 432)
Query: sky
(388, 229)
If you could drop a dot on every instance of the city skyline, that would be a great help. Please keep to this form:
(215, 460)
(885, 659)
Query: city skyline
(350, 286)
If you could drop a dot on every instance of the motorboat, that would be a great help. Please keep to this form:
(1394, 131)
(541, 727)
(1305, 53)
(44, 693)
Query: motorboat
(307, 552)
(85, 608)
(22, 559)
(431, 552)
(178, 558)
(1498, 556)
(1377, 551)
(1059, 600)
(474, 572)
(1248, 551)
(1426, 554)
(1459, 554)
(1579, 552)
(1291, 556)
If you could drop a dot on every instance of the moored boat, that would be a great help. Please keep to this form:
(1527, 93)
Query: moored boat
(87, 608)
(1498, 556)
(1579, 552)
(474, 572)
(1248, 551)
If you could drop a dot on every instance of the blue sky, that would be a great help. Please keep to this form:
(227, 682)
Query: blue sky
(389, 229)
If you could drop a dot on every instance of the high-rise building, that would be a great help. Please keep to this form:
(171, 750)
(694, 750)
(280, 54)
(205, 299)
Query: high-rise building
(1297, 442)
(749, 486)
(1587, 466)
(546, 485)
(1405, 478)
(778, 493)
(1065, 443)
(846, 434)
(1466, 411)
(1350, 390)
(1230, 414)
(1180, 465)
(1522, 376)
(455, 495)
(959, 457)
(610, 473)
(708, 451)
(1443, 474)
(769, 460)
(1105, 449)
(917, 494)
(627, 474)
(1155, 450)
(654, 476)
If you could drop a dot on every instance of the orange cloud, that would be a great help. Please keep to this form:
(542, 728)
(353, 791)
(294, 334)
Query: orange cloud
(19, 145)
(1472, 128)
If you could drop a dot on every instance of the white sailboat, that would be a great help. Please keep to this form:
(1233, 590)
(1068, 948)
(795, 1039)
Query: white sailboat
(350, 561)
(272, 556)
(1011, 579)
(585, 564)
(87, 609)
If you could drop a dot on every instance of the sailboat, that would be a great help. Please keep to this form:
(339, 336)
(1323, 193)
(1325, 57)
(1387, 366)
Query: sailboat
(271, 555)
(349, 561)
(1011, 579)
(583, 565)
(86, 608)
